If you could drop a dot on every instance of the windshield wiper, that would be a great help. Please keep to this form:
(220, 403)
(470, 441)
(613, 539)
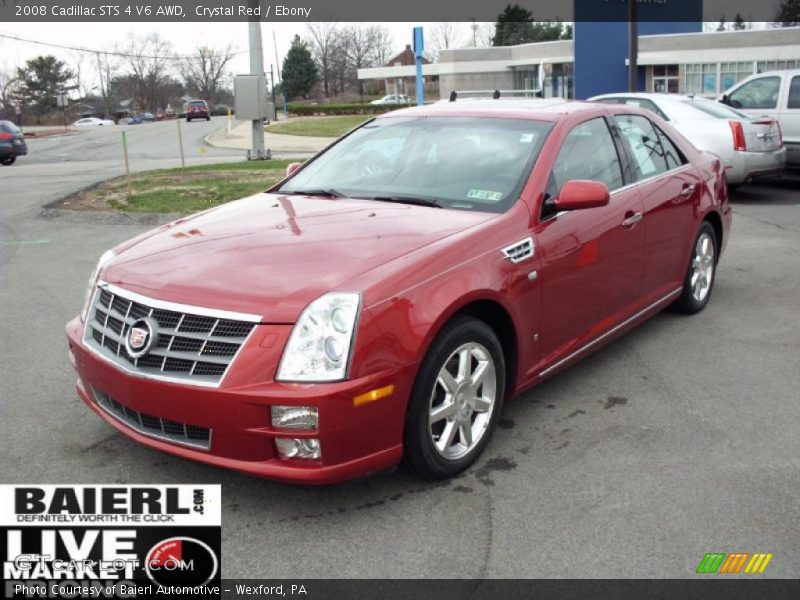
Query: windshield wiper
(320, 192)
(408, 200)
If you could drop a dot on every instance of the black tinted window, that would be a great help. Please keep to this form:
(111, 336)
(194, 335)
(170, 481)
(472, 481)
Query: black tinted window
(646, 152)
(588, 152)
(794, 93)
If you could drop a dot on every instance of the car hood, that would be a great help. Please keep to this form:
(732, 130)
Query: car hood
(272, 254)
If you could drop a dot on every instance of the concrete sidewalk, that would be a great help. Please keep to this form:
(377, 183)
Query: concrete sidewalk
(240, 139)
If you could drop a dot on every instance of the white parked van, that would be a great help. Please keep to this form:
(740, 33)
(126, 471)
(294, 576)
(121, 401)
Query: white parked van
(774, 94)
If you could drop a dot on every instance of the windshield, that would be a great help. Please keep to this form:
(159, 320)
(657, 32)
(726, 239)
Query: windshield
(465, 163)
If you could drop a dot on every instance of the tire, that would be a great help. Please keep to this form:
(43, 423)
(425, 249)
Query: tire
(188, 119)
(8, 160)
(703, 265)
(208, 118)
(465, 411)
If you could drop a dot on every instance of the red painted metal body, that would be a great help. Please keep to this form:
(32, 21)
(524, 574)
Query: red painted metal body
(416, 267)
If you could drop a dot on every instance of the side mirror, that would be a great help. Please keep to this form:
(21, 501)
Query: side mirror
(292, 167)
(725, 99)
(578, 194)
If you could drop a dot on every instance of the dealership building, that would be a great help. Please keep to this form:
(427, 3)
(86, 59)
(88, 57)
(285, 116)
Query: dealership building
(673, 57)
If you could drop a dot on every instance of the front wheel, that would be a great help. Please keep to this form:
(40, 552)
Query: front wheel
(700, 276)
(456, 399)
(8, 160)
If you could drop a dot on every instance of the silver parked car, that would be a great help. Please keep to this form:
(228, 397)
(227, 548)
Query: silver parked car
(776, 95)
(749, 147)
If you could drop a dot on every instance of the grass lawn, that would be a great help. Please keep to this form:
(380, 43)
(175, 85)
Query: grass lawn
(319, 126)
(180, 190)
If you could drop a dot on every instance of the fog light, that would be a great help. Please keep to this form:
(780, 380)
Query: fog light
(295, 417)
(297, 448)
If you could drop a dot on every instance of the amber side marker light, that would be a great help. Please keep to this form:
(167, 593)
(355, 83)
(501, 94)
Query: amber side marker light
(373, 395)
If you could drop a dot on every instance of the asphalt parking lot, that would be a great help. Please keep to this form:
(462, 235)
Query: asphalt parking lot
(680, 438)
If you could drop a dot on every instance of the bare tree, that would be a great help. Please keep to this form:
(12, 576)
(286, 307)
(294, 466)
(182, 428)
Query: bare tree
(444, 36)
(204, 71)
(8, 84)
(108, 67)
(362, 43)
(148, 59)
(383, 44)
(325, 40)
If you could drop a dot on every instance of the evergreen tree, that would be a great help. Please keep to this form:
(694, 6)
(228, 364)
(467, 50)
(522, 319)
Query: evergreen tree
(299, 70)
(40, 81)
(514, 26)
(788, 13)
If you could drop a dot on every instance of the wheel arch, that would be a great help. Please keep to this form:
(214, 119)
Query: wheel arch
(492, 310)
(715, 221)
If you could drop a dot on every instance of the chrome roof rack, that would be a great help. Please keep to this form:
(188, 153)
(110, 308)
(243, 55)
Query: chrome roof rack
(494, 94)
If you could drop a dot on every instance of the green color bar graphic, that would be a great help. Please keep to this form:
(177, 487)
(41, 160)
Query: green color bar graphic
(711, 562)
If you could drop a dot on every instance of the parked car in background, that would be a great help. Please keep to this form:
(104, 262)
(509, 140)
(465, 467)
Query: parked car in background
(160, 114)
(772, 95)
(147, 117)
(92, 122)
(12, 143)
(197, 109)
(380, 303)
(749, 147)
(393, 99)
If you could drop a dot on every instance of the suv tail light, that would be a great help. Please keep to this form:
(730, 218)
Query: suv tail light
(738, 136)
(5, 136)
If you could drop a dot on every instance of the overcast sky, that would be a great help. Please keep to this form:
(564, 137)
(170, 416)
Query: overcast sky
(184, 37)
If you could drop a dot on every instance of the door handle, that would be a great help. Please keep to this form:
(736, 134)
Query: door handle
(632, 219)
(688, 189)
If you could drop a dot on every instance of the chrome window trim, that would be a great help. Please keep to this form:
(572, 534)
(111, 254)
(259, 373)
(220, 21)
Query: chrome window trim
(171, 306)
(611, 331)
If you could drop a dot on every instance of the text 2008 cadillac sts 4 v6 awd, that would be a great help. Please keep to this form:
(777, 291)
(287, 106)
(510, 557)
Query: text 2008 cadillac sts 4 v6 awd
(379, 304)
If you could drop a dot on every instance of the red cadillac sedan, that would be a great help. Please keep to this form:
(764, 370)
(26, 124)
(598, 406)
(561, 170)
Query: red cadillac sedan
(379, 304)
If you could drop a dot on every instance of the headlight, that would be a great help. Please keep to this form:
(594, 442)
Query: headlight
(320, 344)
(107, 256)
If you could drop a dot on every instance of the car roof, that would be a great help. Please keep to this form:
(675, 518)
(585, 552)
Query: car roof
(541, 109)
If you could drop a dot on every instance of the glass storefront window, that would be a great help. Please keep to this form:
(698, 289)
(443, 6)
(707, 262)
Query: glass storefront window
(732, 73)
(665, 79)
(701, 78)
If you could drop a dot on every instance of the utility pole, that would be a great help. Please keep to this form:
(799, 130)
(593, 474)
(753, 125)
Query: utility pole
(278, 68)
(257, 150)
(633, 48)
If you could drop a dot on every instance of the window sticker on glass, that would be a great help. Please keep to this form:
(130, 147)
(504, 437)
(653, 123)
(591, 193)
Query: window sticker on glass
(485, 195)
(526, 138)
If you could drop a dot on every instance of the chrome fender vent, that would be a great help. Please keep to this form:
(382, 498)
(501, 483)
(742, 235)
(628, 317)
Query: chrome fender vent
(519, 251)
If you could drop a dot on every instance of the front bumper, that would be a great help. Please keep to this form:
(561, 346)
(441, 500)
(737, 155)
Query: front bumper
(355, 440)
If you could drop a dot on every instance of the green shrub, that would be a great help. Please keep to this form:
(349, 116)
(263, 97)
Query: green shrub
(307, 110)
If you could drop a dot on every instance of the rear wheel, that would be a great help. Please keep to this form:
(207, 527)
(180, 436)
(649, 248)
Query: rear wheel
(188, 119)
(700, 276)
(456, 399)
(8, 160)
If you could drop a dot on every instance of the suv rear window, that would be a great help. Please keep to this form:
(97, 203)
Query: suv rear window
(198, 103)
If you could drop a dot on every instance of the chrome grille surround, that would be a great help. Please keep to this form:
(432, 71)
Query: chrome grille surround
(195, 346)
(163, 429)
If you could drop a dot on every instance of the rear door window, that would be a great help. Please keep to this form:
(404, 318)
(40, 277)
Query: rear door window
(647, 155)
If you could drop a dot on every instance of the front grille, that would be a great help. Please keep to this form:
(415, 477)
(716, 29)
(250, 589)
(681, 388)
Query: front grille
(191, 347)
(173, 431)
